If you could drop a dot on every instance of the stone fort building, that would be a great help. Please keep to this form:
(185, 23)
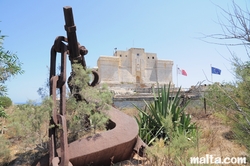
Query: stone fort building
(134, 67)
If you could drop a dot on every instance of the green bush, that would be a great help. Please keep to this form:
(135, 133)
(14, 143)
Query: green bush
(165, 118)
(2, 113)
(29, 122)
(5, 151)
(5, 101)
(85, 116)
(167, 129)
(231, 104)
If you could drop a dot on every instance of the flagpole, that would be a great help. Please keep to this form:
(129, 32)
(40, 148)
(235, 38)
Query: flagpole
(211, 73)
(177, 75)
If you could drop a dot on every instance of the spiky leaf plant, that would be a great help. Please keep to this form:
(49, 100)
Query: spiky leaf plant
(164, 117)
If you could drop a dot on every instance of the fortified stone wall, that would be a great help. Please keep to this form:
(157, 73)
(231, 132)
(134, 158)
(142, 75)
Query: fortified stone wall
(109, 69)
(164, 71)
(135, 67)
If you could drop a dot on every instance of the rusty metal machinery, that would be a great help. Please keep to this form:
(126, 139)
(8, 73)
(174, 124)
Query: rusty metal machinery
(117, 144)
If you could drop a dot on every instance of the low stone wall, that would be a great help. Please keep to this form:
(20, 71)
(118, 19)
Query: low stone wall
(130, 101)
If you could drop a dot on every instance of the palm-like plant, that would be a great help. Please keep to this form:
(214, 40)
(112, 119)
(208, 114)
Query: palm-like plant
(164, 117)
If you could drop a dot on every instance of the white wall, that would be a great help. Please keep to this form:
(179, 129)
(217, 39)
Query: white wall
(108, 69)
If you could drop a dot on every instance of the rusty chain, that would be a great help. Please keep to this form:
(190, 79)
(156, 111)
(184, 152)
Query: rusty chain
(58, 119)
(76, 54)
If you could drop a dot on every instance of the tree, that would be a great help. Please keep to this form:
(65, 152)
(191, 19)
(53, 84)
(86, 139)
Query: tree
(236, 32)
(85, 103)
(236, 27)
(9, 66)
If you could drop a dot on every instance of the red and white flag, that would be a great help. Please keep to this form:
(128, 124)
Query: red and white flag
(182, 72)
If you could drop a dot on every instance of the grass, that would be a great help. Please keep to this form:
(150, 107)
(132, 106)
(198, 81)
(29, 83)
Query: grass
(212, 129)
(212, 140)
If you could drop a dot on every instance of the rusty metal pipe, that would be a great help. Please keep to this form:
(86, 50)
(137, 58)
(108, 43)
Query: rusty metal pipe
(71, 32)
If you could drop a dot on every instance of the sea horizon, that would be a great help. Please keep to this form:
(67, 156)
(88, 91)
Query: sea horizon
(27, 102)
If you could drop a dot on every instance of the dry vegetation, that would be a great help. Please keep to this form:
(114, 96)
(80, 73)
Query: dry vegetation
(215, 138)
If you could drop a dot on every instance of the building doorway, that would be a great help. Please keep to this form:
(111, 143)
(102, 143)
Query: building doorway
(137, 80)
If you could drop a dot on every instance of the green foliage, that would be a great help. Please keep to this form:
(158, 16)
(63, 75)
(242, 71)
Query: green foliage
(177, 152)
(5, 101)
(85, 116)
(5, 151)
(217, 96)
(43, 92)
(164, 118)
(3, 114)
(26, 126)
(242, 84)
(236, 28)
(242, 133)
(9, 66)
(28, 121)
(231, 104)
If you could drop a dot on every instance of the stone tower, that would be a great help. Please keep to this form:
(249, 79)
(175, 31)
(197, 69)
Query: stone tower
(134, 67)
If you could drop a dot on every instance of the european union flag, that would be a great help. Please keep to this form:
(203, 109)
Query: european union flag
(216, 70)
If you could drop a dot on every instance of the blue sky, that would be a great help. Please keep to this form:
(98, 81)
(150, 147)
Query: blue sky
(169, 28)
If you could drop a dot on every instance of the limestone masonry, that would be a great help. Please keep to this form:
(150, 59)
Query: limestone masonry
(134, 67)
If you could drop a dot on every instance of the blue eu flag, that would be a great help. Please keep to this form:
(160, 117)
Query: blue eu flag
(216, 70)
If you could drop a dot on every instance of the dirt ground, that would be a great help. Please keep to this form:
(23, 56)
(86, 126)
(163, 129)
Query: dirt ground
(216, 137)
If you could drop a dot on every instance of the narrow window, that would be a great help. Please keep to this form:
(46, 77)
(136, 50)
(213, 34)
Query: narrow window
(153, 57)
(120, 55)
(137, 54)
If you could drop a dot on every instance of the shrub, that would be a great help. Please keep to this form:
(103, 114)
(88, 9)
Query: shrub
(29, 122)
(167, 129)
(176, 152)
(2, 113)
(164, 118)
(85, 116)
(231, 104)
(5, 101)
(5, 151)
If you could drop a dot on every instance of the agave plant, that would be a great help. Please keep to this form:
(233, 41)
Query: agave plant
(164, 117)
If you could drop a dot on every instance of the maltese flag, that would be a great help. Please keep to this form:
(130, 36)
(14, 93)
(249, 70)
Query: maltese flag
(182, 72)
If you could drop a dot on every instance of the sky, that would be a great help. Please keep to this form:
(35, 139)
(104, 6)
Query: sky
(171, 29)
